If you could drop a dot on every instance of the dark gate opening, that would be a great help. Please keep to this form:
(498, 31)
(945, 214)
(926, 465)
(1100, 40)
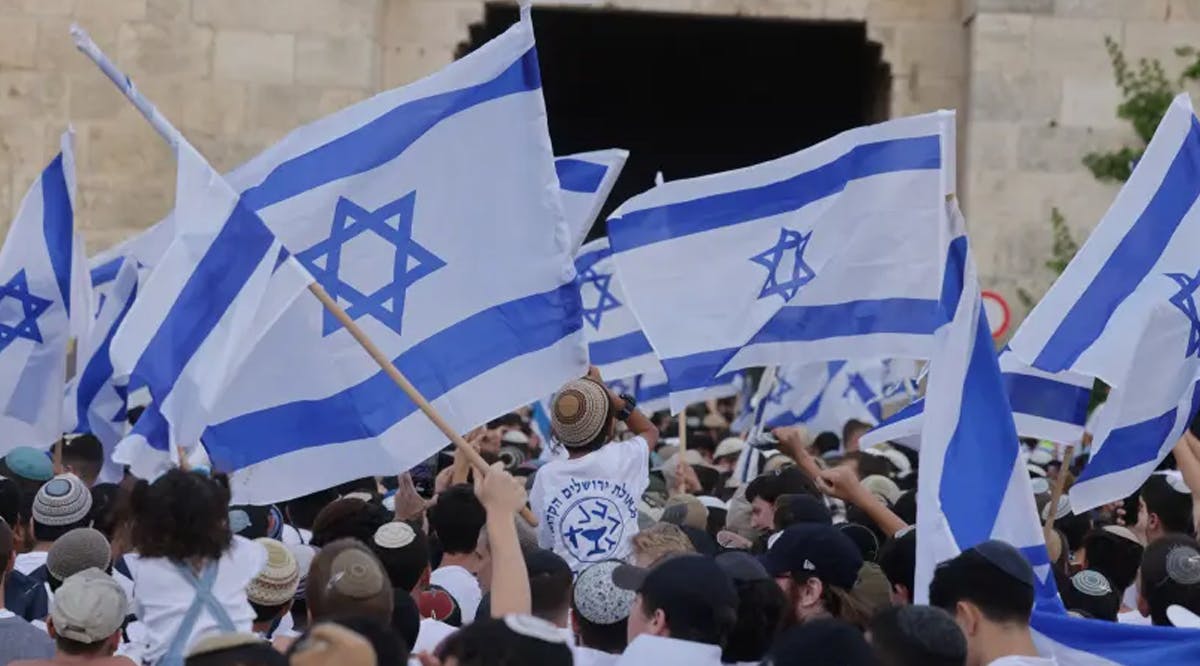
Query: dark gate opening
(691, 94)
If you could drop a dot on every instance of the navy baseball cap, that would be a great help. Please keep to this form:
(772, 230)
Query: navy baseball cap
(1006, 558)
(813, 549)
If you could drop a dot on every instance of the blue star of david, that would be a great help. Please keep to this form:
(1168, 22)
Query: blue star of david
(1185, 300)
(32, 307)
(801, 274)
(411, 262)
(605, 300)
(782, 388)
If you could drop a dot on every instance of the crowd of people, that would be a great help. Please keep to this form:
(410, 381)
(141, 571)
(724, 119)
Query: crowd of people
(643, 554)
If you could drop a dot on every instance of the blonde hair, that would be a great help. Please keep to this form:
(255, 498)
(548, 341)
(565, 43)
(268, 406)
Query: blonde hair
(658, 541)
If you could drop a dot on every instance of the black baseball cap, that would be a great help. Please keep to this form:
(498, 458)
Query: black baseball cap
(684, 584)
(813, 549)
(822, 642)
(1006, 558)
(802, 508)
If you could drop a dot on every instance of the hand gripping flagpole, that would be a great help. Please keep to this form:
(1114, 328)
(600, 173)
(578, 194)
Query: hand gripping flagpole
(173, 137)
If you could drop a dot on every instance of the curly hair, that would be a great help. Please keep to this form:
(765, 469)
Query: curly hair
(181, 516)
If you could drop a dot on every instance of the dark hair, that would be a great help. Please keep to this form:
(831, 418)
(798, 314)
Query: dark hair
(49, 533)
(971, 577)
(107, 499)
(917, 636)
(870, 464)
(457, 518)
(79, 648)
(268, 613)
(7, 546)
(254, 654)
(1074, 526)
(840, 604)
(760, 613)
(710, 624)
(181, 515)
(852, 426)
(390, 649)
(405, 565)
(349, 518)
(491, 643)
(787, 481)
(1100, 607)
(826, 442)
(324, 599)
(12, 508)
(898, 560)
(1173, 508)
(85, 456)
(822, 642)
(906, 507)
(406, 617)
(1158, 588)
(302, 512)
(550, 587)
(1114, 556)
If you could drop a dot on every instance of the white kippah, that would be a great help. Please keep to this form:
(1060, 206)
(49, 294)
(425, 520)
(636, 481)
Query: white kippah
(394, 535)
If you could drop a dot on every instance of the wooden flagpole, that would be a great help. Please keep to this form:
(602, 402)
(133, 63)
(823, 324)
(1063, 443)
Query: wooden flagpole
(1057, 491)
(172, 135)
(680, 481)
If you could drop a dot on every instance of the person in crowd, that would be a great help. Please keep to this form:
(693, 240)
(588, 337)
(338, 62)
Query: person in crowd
(599, 615)
(684, 611)
(85, 622)
(816, 567)
(513, 639)
(1089, 594)
(599, 475)
(191, 574)
(764, 490)
(29, 468)
(300, 514)
(346, 579)
(826, 444)
(760, 609)
(273, 589)
(389, 648)
(107, 505)
(794, 509)
(80, 549)
(1170, 576)
(234, 650)
(62, 504)
(851, 432)
(550, 581)
(1116, 552)
(898, 560)
(726, 455)
(917, 636)
(990, 591)
(456, 520)
(348, 518)
(329, 644)
(1164, 507)
(18, 638)
(83, 456)
(658, 541)
(822, 642)
(304, 555)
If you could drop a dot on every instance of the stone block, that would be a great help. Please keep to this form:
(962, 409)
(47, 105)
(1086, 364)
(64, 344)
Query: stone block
(991, 146)
(932, 49)
(1014, 6)
(1061, 149)
(1014, 96)
(1158, 39)
(336, 61)
(336, 99)
(169, 11)
(1185, 10)
(922, 94)
(1119, 9)
(56, 51)
(1001, 42)
(405, 64)
(31, 94)
(91, 96)
(109, 214)
(324, 17)
(215, 106)
(132, 10)
(847, 10)
(1090, 102)
(123, 150)
(1073, 46)
(256, 57)
(443, 23)
(18, 47)
(925, 10)
(165, 49)
(37, 7)
(272, 107)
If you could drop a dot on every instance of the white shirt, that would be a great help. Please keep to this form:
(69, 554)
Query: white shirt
(646, 650)
(463, 586)
(586, 656)
(1134, 617)
(27, 563)
(1024, 661)
(162, 597)
(431, 634)
(294, 536)
(588, 507)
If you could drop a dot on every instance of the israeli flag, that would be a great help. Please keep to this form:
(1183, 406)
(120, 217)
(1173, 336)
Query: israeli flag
(586, 180)
(96, 396)
(828, 253)
(1125, 311)
(973, 485)
(224, 280)
(1074, 641)
(1050, 406)
(432, 214)
(44, 302)
(652, 391)
(616, 344)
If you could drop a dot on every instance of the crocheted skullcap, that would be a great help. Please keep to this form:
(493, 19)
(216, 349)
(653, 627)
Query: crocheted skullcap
(356, 574)
(597, 599)
(276, 584)
(1183, 565)
(1092, 583)
(579, 413)
(80, 549)
(63, 500)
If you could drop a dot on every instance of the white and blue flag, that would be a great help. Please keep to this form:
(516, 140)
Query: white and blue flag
(1125, 311)
(652, 392)
(585, 181)
(824, 396)
(223, 281)
(1050, 406)
(616, 344)
(432, 214)
(829, 252)
(97, 397)
(44, 302)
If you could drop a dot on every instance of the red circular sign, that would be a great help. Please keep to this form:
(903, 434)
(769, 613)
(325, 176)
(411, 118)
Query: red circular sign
(998, 313)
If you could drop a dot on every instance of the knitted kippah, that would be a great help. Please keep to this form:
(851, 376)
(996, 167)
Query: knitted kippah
(276, 584)
(80, 549)
(1091, 583)
(394, 535)
(63, 500)
(597, 599)
(1183, 565)
(356, 574)
(579, 412)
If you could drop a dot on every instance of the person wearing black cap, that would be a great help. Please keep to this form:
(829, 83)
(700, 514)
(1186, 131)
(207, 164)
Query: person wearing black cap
(989, 589)
(684, 611)
(821, 642)
(816, 566)
(760, 608)
(917, 636)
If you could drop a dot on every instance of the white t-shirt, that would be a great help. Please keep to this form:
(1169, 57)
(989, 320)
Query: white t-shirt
(430, 634)
(295, 536)
(161, 596)
(27, 563)
(586, 656)
(463, 586)
(1134, 617)
(588, 507)
(647, 650)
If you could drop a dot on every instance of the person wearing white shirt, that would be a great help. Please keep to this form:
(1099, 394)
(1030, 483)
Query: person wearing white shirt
(457, 519)
(684, 611)
(587, 505)
(989, 589)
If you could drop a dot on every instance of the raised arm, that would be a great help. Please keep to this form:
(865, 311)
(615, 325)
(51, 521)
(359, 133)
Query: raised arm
(637, 422)
(503, 497)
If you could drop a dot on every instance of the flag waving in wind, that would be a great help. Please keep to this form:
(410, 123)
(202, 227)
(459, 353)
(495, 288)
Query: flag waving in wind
(825, 254)
(44, 301)
(1125, 311)
(616, 344)
(585, 181)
